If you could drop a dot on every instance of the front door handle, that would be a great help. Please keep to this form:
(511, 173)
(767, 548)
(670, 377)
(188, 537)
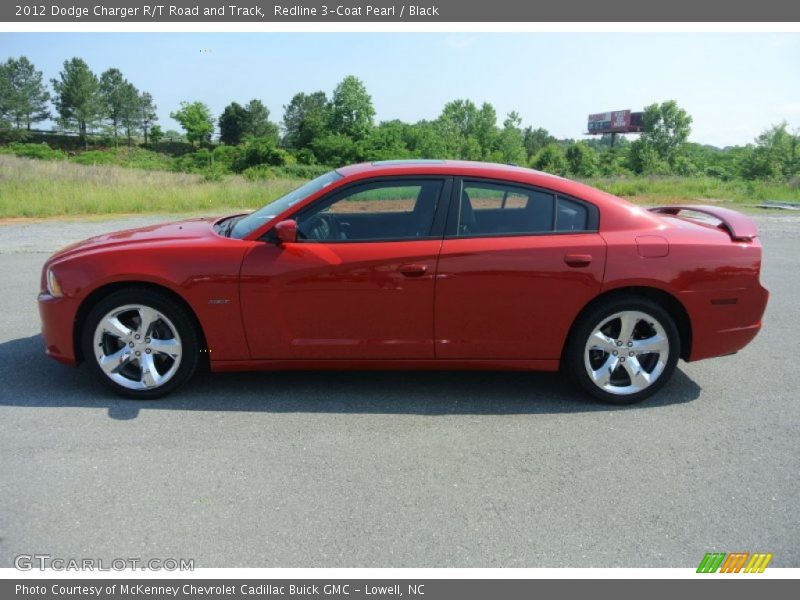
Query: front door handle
(413, 270)
(578, 260)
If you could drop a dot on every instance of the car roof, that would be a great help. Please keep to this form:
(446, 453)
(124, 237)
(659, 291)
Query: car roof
(454, 167)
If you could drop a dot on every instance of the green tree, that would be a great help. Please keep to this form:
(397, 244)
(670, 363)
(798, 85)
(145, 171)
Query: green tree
(469, 132)
(77, 99)
(613, 161)
(335, 149)
(352, 112)
(196, 120)
(536, 139)
(305, 119)
(424, 140)
(156, 135)
(457, 126)
(666, 127)
(511, 146)
(581, 160)
(113, 97)
(149, 115)
(776, 154)
(23, 96)
(233, 124)
(645, 159)
(238, 122)
(131, 110)
(258, 123)
(385, 142)
(486, 132)
(551, 159)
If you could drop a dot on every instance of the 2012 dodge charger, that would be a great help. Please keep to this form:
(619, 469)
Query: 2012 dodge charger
(413, 265)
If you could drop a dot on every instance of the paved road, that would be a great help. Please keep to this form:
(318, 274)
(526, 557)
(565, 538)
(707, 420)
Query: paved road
(378, 470)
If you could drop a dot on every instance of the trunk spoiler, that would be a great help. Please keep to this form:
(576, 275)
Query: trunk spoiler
(740, 227)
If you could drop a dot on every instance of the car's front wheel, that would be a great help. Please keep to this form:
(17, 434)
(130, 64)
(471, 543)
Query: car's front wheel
(140, 343)
(623, 350)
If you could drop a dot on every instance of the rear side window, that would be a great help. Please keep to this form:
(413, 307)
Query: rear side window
(572, 215)
(498, 209)
(488, 208)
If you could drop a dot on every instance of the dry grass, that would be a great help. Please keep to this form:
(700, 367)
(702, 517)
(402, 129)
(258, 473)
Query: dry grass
(32, 188)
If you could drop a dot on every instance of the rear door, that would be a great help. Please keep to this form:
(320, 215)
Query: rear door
(517, 265)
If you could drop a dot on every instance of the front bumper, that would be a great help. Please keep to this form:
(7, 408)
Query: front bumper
(58, 322)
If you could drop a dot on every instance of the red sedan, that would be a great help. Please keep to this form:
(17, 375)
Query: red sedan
(413, 265)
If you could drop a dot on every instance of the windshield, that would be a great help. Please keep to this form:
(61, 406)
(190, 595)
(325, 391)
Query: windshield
(253, 221)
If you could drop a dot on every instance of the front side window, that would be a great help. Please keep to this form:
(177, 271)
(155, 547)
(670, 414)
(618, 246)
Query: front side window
(381, 210)
(244, 226)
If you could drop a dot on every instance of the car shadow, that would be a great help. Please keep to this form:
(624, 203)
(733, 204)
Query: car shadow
(30, 379)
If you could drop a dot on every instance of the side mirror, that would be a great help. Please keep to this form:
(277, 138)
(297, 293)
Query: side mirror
(286, 231)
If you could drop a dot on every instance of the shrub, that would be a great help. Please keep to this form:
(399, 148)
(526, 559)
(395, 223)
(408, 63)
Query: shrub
(259, 172)
(717, 172)
(40, 151)
(226, 156)
(261, 151)
(95, 157)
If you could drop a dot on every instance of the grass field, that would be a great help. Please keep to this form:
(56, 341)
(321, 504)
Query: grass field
(57, 188)
(34, 188)
(673, 190)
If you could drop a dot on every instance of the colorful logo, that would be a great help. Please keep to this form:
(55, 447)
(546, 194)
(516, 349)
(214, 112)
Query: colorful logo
(735, 562)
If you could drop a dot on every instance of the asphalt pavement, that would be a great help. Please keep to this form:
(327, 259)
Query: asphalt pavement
(398, 469)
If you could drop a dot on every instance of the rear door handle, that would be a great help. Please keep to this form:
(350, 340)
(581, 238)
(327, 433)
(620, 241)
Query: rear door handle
(413, 270)
(578, 260)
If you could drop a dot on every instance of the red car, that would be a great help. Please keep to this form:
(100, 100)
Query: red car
(413, 265)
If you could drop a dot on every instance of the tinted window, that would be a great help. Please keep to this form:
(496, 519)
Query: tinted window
(572, 215)
(497, 209)
(385, 210)
(265, 214)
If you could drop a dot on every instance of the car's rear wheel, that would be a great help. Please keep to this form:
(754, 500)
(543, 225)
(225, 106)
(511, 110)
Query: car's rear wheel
(623, 350)
(140, 343)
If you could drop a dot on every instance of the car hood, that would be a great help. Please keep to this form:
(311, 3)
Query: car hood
(162, 232)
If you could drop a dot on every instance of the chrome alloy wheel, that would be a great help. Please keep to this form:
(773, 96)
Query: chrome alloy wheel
(627, 352)
(137, 347)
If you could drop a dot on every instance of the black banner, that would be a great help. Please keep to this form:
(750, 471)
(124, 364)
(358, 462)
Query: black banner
(430, 589)
(321, 11)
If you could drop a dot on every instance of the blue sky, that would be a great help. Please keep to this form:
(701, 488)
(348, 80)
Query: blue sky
(734, 85)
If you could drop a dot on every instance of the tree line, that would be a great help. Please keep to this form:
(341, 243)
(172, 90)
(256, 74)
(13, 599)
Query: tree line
(318, 129)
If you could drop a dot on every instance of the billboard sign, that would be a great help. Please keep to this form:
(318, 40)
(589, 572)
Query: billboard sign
(618, 121)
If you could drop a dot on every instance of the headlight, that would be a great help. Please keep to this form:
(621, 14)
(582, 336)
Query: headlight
(53, 287)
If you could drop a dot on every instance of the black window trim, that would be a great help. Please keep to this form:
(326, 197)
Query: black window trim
(451, 228)
(439, 215)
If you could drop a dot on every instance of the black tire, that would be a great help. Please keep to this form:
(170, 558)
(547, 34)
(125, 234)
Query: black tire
(574, 365)
(166, 306)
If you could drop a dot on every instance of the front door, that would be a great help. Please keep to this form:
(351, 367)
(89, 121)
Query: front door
(359, 281)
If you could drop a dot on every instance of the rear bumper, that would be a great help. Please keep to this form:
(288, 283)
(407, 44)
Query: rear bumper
(724, 321)
(58, 320)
